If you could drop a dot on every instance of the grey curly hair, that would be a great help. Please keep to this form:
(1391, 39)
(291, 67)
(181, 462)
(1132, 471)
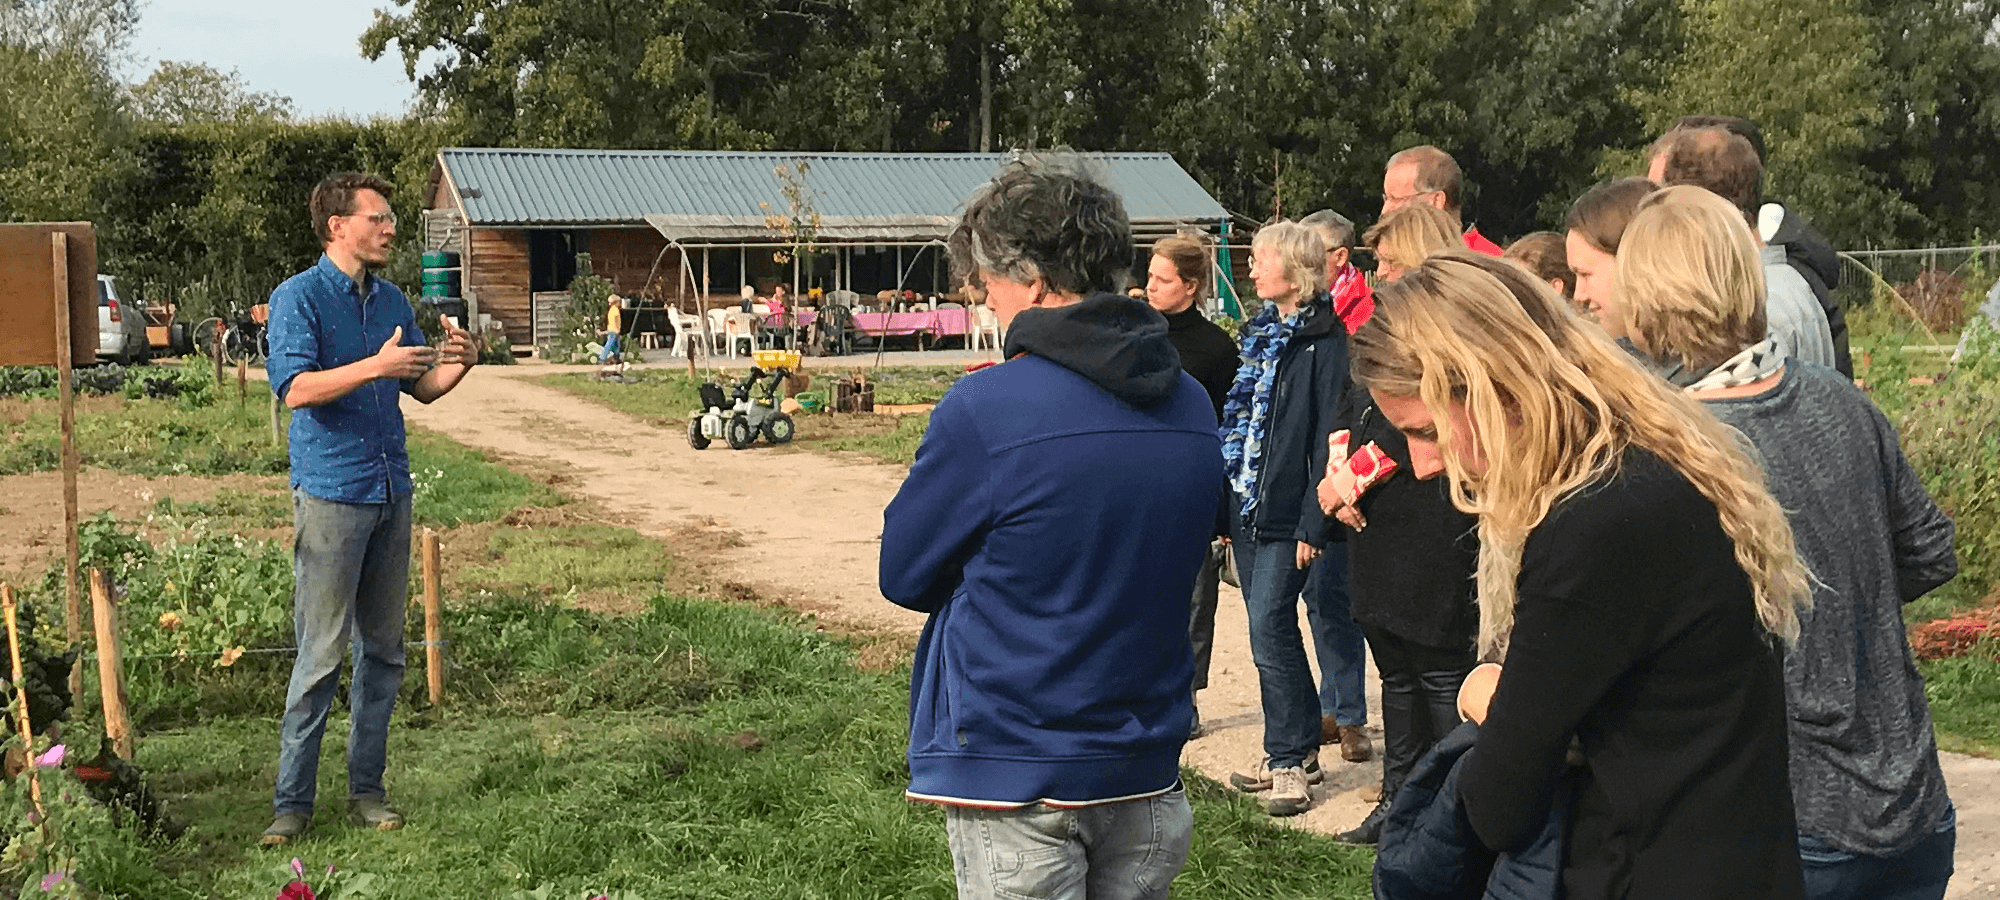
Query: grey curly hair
(1044, 219)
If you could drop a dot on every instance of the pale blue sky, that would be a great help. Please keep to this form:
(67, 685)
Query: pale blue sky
(308, 50)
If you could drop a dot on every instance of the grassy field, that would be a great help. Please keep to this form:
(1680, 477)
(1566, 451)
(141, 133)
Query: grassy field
(688, 748)
(663, 398)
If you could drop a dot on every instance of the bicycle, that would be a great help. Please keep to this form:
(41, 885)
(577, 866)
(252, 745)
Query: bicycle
(245, 339)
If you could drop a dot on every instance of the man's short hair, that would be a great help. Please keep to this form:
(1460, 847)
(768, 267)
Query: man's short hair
(1335, 230)
(1045, 219)
(1736, 125)
(1724, 163)
(334, 196)
(1436, 171)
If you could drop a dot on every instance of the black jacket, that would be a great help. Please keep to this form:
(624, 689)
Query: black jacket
(1308, 402)
(1410, 572)
(1207, 353)
(1809, 253)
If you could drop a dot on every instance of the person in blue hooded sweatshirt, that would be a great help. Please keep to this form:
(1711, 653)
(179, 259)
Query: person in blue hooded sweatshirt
(1051, 527)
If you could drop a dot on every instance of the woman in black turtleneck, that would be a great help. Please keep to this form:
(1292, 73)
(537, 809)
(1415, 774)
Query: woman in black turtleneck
(1176, 281)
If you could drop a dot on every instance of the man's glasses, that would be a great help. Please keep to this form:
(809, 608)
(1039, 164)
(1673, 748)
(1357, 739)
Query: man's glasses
(380, 218)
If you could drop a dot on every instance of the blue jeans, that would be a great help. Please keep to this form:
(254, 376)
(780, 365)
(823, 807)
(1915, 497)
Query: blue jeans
(1920, 873)
(1338, 643)
(1118, 851)
(352, 565)
(613, 345)
(1271, 582)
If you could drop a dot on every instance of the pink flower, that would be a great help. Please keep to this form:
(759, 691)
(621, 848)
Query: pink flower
(297, 890)
(51, 758)
(53, 879)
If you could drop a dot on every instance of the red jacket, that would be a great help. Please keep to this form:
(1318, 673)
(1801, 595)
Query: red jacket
(1353, 300)
(1478, 242)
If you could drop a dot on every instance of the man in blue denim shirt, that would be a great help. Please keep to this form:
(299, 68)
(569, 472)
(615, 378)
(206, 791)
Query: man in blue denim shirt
(344, 346)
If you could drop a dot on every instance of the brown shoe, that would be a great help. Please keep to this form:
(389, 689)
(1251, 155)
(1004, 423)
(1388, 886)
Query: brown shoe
(1329, 730)
(1354, 744)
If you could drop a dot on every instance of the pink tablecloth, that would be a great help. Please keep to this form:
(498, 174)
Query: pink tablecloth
(934, 322)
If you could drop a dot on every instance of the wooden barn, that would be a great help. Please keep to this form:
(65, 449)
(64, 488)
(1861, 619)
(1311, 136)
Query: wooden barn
(689, 229)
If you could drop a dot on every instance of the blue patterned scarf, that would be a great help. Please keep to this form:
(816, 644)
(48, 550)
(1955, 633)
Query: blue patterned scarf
(1246, 415)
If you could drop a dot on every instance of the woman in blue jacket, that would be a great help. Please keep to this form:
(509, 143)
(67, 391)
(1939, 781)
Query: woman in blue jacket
(1288, 396)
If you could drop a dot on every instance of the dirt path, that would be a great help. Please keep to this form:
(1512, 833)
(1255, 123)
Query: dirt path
(810, 526)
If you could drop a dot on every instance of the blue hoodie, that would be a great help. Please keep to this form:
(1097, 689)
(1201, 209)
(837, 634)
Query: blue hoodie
(1051, 527)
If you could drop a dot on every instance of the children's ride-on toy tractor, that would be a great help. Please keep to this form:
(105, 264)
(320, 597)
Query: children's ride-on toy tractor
(744, 418)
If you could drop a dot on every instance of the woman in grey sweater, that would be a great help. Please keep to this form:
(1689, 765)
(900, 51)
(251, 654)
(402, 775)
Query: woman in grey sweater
(1874, 820)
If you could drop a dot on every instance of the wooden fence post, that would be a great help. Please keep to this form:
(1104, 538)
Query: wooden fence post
(66, 394)
(433, 617)
(110, 666)
(11, 610)
(243, 378)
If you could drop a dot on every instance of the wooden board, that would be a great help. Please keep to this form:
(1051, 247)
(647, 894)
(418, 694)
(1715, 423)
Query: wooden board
(27, 289)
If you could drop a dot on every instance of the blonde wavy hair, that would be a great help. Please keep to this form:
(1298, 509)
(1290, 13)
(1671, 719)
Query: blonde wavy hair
(1301, 254)
(1691, 279)
(1407, 236)
(1556, 404)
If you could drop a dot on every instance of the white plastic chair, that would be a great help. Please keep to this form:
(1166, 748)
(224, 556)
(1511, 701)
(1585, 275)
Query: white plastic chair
(687, 329)
(983, 325)
(718, 328)
(740, 327)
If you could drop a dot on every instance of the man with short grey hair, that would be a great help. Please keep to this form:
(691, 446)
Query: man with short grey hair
(1051, 527)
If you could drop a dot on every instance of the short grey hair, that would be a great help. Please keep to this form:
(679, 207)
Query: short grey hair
(1334, 229)
(1045, 219)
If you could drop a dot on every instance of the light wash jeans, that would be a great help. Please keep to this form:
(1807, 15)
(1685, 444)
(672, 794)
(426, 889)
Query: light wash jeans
(1118, 851)
(352, 564)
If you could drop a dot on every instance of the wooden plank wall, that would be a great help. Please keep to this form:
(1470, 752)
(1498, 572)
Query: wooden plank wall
(626, 257)
(496, 272)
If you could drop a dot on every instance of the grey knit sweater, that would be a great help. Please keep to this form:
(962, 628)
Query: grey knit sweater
(1865, 774)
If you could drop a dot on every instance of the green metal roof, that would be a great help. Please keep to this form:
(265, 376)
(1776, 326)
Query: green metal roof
(716, 194)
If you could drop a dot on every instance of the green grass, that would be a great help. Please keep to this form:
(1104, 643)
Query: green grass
(1965, 700)
(698, 749)
(1950, 431)
(147, 437)
(455, 484)
(896, 446)
(568, 563)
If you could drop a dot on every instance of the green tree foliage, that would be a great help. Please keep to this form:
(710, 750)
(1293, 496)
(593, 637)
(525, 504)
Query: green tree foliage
(62, 120)
(1819, 110)
(185, 93)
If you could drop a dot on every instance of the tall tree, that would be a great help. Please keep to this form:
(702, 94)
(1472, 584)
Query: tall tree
(182, 93)
(1809, 73)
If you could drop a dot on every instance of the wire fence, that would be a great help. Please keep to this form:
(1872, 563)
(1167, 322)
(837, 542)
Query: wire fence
(1938, 286)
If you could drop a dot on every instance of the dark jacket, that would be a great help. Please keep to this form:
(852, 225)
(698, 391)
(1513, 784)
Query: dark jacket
(1308, 402)
(1410, 572)
(1636, 633)
(1207, 353)
(1428, 852)
(1051, 526)
(1809, 253)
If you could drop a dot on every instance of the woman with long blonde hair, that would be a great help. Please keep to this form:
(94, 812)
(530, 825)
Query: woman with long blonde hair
(1634, 573)
(1874, 817)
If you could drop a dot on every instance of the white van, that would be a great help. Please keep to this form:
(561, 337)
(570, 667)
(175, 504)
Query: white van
(121, 326)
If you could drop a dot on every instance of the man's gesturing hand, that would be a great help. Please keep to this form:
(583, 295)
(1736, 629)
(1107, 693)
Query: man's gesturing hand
(403, 363)
(459, 345)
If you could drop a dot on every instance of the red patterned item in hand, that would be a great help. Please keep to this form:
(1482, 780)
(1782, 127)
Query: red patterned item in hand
(1367, 466)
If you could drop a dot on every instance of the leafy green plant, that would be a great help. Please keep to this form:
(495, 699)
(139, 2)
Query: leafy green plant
(582, 319)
